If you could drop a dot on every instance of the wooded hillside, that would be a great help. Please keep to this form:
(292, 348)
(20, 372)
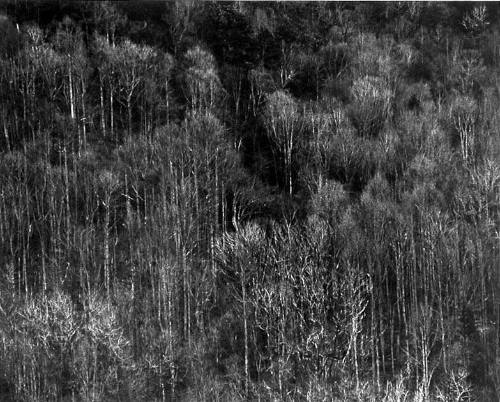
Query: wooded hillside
(249, 201)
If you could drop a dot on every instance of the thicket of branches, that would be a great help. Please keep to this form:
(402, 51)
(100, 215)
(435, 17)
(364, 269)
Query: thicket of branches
(249, 201)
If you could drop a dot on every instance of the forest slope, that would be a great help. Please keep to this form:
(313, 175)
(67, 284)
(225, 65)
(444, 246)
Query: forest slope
(249, 201)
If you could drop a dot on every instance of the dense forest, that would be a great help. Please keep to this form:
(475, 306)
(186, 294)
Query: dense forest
(205, 201)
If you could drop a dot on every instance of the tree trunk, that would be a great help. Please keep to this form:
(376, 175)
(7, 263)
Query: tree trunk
(84, 117)
(111, 113)
(129, 113)
(245, 328)
(71, 95)
(103, 114)
(106, 248)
